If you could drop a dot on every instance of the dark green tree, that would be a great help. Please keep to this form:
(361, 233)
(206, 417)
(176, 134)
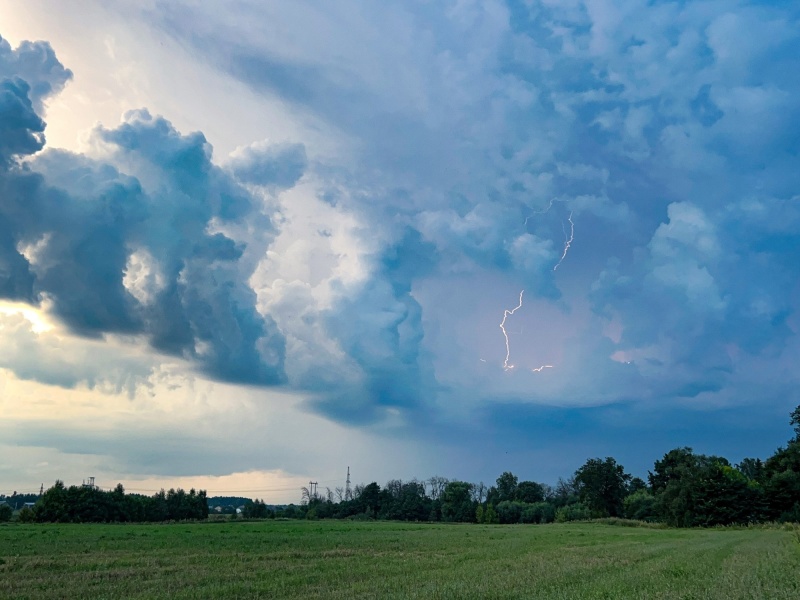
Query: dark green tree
(794, 421)
(640, 505)
(457, 503)
(752, 468)
(506, 486)
(782, 483)
(370, 499)
(530, 492)
(603, 486)
(672, 466)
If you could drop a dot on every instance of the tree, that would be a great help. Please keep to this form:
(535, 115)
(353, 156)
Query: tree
(782, 482)
(506, 486)
(752, 468)
(457, 504)
(479, 492)
(672, 466)
(5, 513)
(530, 492)
(794, 421)
(539, 512)
(565, 492)
(603, 486)
(510, 511)
(490, 515)
(698, 490)
(437, 485)
(370, 499)
(640, 505)
(413, 504)
(636, 484)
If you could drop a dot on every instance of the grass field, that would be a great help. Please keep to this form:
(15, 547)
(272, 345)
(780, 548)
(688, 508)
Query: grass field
(336, 559)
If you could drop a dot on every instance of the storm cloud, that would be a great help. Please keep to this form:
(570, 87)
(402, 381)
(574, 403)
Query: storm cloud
(127, 245)
(632, 166)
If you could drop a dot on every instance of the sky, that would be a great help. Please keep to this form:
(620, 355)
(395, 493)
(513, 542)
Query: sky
(245, 247)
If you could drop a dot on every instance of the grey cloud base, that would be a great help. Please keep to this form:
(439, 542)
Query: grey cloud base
(71, 227)
(665, 133)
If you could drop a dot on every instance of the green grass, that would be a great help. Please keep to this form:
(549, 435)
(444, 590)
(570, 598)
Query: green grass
(335, 559)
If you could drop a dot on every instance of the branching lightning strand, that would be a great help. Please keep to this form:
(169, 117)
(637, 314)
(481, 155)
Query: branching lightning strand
(568, 241)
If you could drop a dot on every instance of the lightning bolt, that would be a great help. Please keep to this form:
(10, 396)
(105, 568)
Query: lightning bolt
(541, 212)
(568, 239)
(567, 242)
(507, 313)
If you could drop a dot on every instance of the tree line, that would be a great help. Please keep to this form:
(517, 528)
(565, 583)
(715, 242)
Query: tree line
(89, 504)
(684, 489)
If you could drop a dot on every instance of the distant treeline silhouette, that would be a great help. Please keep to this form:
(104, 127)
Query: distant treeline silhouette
(89, 504)
(684, 489)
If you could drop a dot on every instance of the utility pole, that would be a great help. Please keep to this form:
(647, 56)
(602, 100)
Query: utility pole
(348, 495)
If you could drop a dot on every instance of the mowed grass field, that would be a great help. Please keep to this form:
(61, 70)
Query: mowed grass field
(336, 559)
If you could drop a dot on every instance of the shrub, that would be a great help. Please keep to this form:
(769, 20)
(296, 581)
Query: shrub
(5, 513)
(26, 515)
(538, 512)
(573, 512)
(640, 506)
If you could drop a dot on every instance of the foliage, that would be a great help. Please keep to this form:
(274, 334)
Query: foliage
(509, 511)
(457, 503)
(603, 485)
(256, 509)
(26, 515)
(530, 492)
(640, 506)
(539, 512)
(507, 486)
(5, 513)
(782, 481)
(85, 504)
(573, 512)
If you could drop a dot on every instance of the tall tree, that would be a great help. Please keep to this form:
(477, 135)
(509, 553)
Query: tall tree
(530, 492)
(603, 486)
(506, 486)
(457, 504)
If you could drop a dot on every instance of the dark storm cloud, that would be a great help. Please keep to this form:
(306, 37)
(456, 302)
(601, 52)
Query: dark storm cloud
(130, 253)
(668, 131)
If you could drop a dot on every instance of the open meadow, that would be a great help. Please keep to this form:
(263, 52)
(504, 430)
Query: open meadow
(343, 559)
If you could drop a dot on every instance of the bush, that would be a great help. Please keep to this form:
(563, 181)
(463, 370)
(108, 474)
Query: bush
(5, 513)
(490, 515)
(573, 512)
(538, 512)
(791, 516)
(509, 511)
(640, 506)
(26, 515)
